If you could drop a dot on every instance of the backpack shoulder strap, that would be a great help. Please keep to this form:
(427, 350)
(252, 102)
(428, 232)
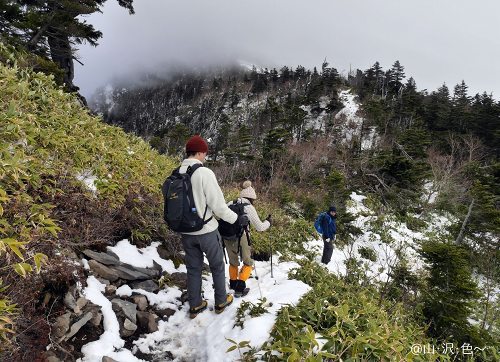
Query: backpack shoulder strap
(190, 170)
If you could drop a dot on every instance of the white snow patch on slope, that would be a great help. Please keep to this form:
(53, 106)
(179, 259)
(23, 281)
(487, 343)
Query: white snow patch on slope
(352, 127)
(88, 180)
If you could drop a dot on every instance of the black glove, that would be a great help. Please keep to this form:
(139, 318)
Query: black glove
(269, 218)
(243, 220)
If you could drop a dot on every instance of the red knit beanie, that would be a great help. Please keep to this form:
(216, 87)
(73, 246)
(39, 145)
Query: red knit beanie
(196, 144)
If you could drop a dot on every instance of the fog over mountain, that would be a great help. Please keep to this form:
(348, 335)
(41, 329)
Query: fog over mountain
(437, 42)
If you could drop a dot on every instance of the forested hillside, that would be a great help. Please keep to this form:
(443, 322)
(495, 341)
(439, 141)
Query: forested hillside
(414, 176)
(311, 137)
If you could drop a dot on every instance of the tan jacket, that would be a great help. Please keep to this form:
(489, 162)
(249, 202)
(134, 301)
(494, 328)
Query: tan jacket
(253, 216)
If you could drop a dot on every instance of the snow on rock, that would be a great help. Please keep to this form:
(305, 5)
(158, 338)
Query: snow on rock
(204, 338)
(430, 194)
(353, 124)
(352, 127)
(109, 344)
(143, 258)
(316, 119)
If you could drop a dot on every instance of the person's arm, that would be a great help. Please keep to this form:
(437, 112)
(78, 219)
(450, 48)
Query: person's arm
(215, 197)
(255, 220)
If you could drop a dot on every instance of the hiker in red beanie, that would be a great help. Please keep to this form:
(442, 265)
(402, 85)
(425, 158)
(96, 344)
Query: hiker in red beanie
(205, 240)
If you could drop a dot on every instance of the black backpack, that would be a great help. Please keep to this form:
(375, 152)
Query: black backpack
(179, 210)
(233, 231)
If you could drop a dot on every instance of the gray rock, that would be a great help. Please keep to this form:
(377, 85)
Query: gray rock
(129, 273)
(179, 279)
(141, 301)
(184, 297)
(110, 289)
(103, 281)
(165, 313)
(102, 258)
(51, 357)
(148, 322)
(103, 270)
(80, 304)
(61, 326)
(157, 266)
(147, 285)
(151, 272)
(78, 325)
(112, 253)
(69, 301)
(108, 359)
(96, 313)
(128, 309)
(128, 329)
(165, 253)
(96, 319)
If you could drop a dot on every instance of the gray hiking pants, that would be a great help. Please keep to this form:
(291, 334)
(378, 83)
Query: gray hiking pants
(195, 246)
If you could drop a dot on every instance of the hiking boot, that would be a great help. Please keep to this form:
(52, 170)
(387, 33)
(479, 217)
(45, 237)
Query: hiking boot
(241, 289)
(193, 312)
(219, 308)
(232, 284)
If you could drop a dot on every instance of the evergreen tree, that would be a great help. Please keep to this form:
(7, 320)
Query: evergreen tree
(450, 291)
(51, 28)
(438, 112)
(460, 114)
(395, 78)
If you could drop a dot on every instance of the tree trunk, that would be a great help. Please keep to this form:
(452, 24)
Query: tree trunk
(62, 54)
(464, 224)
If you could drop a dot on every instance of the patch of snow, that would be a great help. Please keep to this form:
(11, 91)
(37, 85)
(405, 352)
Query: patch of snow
(88, 180)
(109, 344)
(85, 264)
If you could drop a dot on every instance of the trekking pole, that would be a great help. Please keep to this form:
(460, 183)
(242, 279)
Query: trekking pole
(272, 260)
(254, 263)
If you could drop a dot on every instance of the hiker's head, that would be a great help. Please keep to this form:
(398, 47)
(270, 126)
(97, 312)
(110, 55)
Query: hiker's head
(332, 211)
(248, 191)
(197, 147)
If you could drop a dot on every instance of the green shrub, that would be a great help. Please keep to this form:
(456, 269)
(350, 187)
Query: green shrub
(48, 141)
(367, 253)
(351, 321)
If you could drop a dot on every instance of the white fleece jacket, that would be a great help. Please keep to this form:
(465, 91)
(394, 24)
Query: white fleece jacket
(207, 192)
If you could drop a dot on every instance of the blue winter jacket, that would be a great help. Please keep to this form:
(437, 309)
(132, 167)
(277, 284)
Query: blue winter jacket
(329, 226)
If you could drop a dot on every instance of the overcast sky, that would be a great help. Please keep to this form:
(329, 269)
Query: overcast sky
(436, 41)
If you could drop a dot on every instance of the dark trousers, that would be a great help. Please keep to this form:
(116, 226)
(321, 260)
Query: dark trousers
(327, 251)
(195, 246)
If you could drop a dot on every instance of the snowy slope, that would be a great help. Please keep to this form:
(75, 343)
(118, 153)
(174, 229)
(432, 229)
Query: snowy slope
(351, 124)
(397, 238)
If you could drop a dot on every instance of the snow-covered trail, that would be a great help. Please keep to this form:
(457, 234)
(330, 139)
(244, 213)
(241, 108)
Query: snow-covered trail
(202, 338)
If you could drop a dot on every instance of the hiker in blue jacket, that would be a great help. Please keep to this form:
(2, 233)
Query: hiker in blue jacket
(329, 231)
